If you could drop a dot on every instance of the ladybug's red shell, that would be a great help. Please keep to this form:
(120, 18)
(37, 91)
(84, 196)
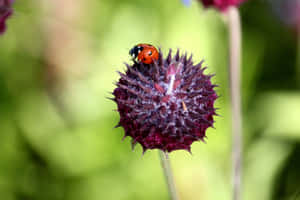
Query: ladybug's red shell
(145, 53)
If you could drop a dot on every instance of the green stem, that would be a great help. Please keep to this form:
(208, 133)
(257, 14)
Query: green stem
(165, 163)
(234, 27)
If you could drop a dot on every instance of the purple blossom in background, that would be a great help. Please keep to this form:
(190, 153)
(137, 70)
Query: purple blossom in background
(186, 2)
(288, 11)
(5, 12)
(165, 105)
(221, 5)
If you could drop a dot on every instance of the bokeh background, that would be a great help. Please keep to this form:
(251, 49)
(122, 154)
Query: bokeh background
(58, 63)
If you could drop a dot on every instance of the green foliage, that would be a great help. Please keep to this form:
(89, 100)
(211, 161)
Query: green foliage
(57, 139)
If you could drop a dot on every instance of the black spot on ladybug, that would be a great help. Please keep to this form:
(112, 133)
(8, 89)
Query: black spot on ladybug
(135, 51)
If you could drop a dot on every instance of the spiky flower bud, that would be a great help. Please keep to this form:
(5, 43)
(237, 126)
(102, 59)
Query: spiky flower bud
(5, 12)
(165, 105)
(221, 5)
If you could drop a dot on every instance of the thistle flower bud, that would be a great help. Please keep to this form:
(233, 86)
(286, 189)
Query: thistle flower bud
(165, 105)
(221, 5)
(5, 12)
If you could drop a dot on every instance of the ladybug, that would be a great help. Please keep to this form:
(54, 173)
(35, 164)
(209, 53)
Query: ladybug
(145, 53)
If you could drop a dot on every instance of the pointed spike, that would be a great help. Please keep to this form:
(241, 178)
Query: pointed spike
(189, 60)
(206, 121)
(118, 84)
(113, 99)
(188, 149)
(160, 60)
(110, 93)
(188, 68)
(133, 82)
(218, 115)
(126, 64)
(143, 78)
(123, 138)
(193, 76)
(144, 150)
(169, 57)
(199, 65)
(211, 75)
(181, 58)
(128, 67)
(156, 65)
(131, 68)
(201, 71)
(126, 78)
(133, 144)
(166, 154)
(202, 139)
(115, 83)
(157, 73)
(118, 125)
(185, 58)
(128, 104)
(131, 90)
(177, 55)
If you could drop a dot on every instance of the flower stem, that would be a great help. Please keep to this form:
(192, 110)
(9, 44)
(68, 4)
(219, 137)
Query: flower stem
(234, 27)
(298, 55)
(165, 163)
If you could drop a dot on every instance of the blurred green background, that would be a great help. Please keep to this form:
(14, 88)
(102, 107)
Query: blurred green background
(58, 63)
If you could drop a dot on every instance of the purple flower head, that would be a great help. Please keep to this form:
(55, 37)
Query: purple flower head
(287, 10)
(165, 105)
(5, 12)
(221, 5)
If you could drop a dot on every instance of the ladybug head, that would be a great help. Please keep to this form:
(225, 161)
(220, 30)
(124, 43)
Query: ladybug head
(134, 52)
